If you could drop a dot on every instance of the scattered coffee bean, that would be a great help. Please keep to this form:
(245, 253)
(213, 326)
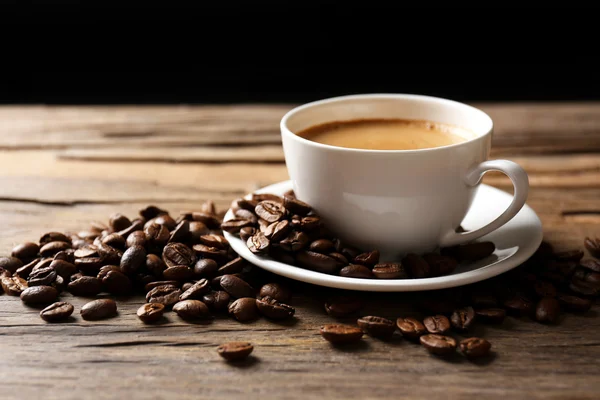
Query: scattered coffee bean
(296, 206)
(574, 303)
(99, 309)
(50, 249)
(205, 268)
(235, 351)
(42, 274)
(278, 230)
(191, 309)
(150, 312)
(294, 242)
(411, 328)
(271, 308)
(136, 238)
(26, 269)
(323, 246)
(236, 287)
(437, 324)
(232, 267)
(244, 309)
(246, 232)
(57, 312)
(342, 306)
(217, 300)
(25, 251)
(491, 315)
(196, 291)
(165, 294)
(377, 326)
(367, 259)
(63, 268)
(389, 271)
(275, 291)
(178, 254)
(211, 221)
(592, 265)
(547, 310)
(151, 285)
(85, 286)
(114, 281)
(584, 288)
(39, 295)
(438, 344)
(356, 271)
(475, 347)
(133, 259)
(341, 334)
(178, 273)
(210, 252)
(116, 241)
(54, 237)
(10, 264)
(463, 318)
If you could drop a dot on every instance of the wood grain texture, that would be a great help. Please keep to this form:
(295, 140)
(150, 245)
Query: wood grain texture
(61, 167)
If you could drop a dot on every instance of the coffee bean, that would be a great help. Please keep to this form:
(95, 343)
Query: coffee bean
(584, 288)
(278, 230)
(191, 309)
(317, 262)
(472, 251)
(115, 240)
(519, 305)
(60, 283)
(544, 289)
(86, 286)
(50, 249)
(440, 265)
(307, 224)
(178, 254)
(416, 266)
(547, 310)
(246, 232)
(109, 254)
(295, 241)
(587, 276)
(165, 294)
(323, 246)
(236, 287)
(218, 300)
(156, 236)
(367, 259)
(137, 225)
(66, 255)
(57, 312)
(569, 255)
(89, 250)
(166, 220)
(356, 271)
(10, 264)
(42, 274)
(205, 268)
(574, 303)
(276, 291)
(186, 286)
(13, 285)
(270, 211)
(150, 312)
(25, 270)
(180, 273)
(181, 233)
(341, 334)
(232, 267)
(339, 258)
(438, 344)
(245, 215)
(99, 309)
(133, 259)
(88, 236)
(411, 328)
(296, 206)
(377, 326)
(266, 196)
(491, 315)
(211, 221)
(463, 318)
(342, 306)
(235, 351)
(437, 324)
(591, 265)
(244, 309)
(63, 268)
(39, 295)
(273, 309)
(389, 271)
(54, 237)
(196, 291)
(235, 225)
(119, 222)
(243, 204)
(151, 285)
(150, 212)
(475, 347)
(213, 240)
(25, 251)
(593, 246)
(114, 281)
(210, 252)
(258, 243)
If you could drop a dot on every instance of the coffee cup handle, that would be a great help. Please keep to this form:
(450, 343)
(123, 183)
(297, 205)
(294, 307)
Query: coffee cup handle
(520, 182)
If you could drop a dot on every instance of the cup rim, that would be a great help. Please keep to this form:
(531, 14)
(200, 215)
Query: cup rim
(286, 131)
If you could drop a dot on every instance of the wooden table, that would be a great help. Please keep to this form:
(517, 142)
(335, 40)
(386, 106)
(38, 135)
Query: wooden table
(61, 167)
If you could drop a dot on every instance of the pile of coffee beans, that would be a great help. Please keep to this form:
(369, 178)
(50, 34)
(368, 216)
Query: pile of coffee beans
(289, 230)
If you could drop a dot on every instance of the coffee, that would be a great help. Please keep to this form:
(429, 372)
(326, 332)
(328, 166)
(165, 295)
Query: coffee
(386, 134)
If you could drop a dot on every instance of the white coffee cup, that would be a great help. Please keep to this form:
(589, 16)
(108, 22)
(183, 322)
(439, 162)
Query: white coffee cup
(397, 201)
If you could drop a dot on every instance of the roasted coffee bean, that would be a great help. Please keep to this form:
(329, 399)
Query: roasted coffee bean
(60, 283)
(278, 254)
(294, 242)
(186, 286)
(258, 243)
(235, 351)
(165, 220)
(270, 211)
(246, 214)
(244, 309)
(115, 240)
(587, 276)
(438, 344)
(150, 312)
(150, 212)
(165, 294)
(25, 251)
(217, 301)
(99, 309)
(463, 318)
(197, 229)
(341, 334)
(266, 196)
(63, 268)
(75, 276)
(39, 295)
(57, 312)
(317, 262)
(339, 258)
(323, 246)
(519, 305)
(356, 271)
(50, 249)
(110, 255)
(342, 306)
(475, 347)
(389, 271)
(213, 240)
(367, 259)
(491, 315)
(208, 207)
(593, 246)
(276, 291)
(114, 281)
(584, 288)
(547, 310)
(118, 222)
(483, 300)
(191, 309)
(10, 264)
(437, 324)
(574, 303)
(66, 255)
(273, 309)
(592, 265)
(211, 221)
(181, 233)
(416, 266)
(243, 204)
(232, 267)
(246, 232)
(210, 252)
(136, 225)
(376, 326)
(156, 236)
(42, 274)
(440, 265)
(54, 237)
(86, 286)
(133, 259)
(88, 236)
(472, 251)
(151, 285)
(178, 254)
(411, 328)
(236, 287)
(236, 225)
(196, 291)
(26, 269)
(205, 268)
(180, 273)
(89, 250)
(155, 265)
(308, 224)
(544, 289)
(296, 206)
(278, 230)
(13, 285)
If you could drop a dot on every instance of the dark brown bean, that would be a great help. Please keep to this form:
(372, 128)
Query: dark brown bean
(307, 224)
(25, 251)
(438, 344)
(115, 240)
(156, 236)
(317, 262)
(151, 312)
(244, 309)
(236, 287)
(519, 305)
(42, 274)
(10, 264)
(593, 246)
(50, 249)
(475, 347)
(178, 254)
(273, 309)
(196, 291)
(180, 273)
(133, 259)
(213, 240)
(39, 295)
(544, 289)
(294, 242)
(246, 232)
(210, 252)
(63, 268)
(367, 259)
(276, 291)
(211, 221)
(258, 243)
(547, 310)
(118, 222)
(232, 267)
(377, 326)
(437, 324)
(235, 225)
(191, 309)
(592, 265)
(151, 285)
(341, 334)
(151, 211)
(181, 233)
(99, 309)
(165, 294)
(323, 246)
(270, 211)
(57, 312)
(491, 315)
(463, 318)
(246, 215)
(205, 268)
(587, 276)
(296, 206)
(26, 269)
(584, 288)
(86, 286)
(342, 306)
(66, 255)
(440, 265)
(278, 230)
(155, 265)
(411, 328)
(54, 237)
(234, 351)
(114, 281)
(218, 300)
(136, 225)
(416, 266)
(389, 271)
(266, 196)
(574, 303)
(356, 271)
(13, 285)
(166, 220)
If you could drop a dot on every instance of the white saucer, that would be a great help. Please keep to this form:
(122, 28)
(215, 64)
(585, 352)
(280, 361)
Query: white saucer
(515, 242)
